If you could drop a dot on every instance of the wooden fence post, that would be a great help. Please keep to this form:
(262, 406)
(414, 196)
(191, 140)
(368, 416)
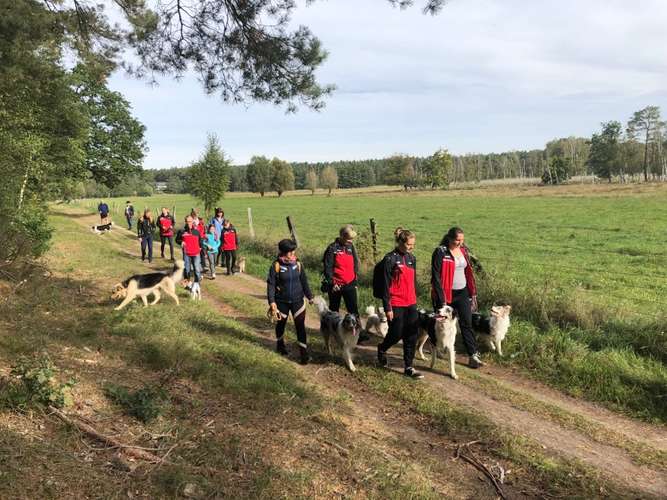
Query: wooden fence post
(251, 229)
(374, 239)
(292, 230)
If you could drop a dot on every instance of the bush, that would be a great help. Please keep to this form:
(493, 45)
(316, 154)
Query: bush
(35, 383)
(145, 404)
(25, 234)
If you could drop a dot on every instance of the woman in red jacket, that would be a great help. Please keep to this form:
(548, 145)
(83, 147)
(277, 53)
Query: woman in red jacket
(229, 242)
(453, 283)
(400, 301)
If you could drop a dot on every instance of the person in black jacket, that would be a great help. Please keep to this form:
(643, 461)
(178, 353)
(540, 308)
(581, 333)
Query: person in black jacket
(287, 286)
(145, 228)
(341, 272)
(400, 301)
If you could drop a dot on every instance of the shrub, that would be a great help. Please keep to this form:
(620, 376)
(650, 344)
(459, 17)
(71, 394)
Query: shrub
(145, 404)
(35, 383)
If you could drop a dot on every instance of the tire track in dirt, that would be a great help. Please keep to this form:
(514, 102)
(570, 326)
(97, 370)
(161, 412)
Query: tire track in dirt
(613, 462)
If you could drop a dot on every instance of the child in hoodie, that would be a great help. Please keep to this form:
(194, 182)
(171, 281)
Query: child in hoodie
(212, 244)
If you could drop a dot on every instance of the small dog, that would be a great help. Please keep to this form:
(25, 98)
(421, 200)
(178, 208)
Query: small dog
(376, 321)
(440, 328)
(103, 228)
(240, 266)
(344, 328)
(142, 285)
(195, 291)
(495, 326)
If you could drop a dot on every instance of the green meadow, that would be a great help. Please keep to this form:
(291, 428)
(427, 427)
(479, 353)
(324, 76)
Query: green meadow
(584, 267)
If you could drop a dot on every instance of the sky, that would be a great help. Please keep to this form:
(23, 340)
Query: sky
(481, 76)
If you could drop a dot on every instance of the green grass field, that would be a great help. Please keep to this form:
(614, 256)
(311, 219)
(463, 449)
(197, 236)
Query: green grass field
(585, 268)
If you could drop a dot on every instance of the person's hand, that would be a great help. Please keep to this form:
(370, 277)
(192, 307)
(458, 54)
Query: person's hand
(473, 303)
(274, 306)
(311, 301)
(390, 315)
(336, 288)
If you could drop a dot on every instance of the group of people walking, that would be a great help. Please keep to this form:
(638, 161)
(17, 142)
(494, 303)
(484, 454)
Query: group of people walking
(452, 283)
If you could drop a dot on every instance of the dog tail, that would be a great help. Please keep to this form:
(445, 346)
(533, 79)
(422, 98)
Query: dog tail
(177, 271)
(370, 311)
(321, 305)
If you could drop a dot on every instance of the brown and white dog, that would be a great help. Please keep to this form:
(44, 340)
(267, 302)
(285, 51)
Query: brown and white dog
(344, 328)
(143, 285)
(441, 329)
(495, 327)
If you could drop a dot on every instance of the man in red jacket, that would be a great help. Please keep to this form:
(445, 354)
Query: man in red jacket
(191, 240)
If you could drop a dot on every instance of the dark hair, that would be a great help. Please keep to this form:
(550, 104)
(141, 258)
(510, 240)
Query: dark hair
(211, 226)
(286, 246)
(403, 235)
(451, 236)
(219, 211)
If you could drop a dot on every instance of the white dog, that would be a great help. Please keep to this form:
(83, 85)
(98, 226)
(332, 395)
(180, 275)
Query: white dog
(441, 329)
(195, 291)
(496, 326)
(344, 328)
(376, 321)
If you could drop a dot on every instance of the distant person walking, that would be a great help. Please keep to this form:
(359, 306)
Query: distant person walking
(218, 220)
(103, 210)
(230, 243)
(287, 286)
(166, 223)
(453, 283)
(341, 272)
(212, 244)
(129, 214)
(400, 301)
(145, 228)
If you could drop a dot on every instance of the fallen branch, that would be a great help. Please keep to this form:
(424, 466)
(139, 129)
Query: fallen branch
(475, 462)
(133, 451)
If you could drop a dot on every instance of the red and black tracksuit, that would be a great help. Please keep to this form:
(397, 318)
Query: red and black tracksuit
(165, 224)
(341, 269)
(229, 242)
(287, 286)
(400, 271)
(443, 266)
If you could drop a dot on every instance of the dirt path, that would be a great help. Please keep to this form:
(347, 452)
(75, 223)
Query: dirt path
(613, 462)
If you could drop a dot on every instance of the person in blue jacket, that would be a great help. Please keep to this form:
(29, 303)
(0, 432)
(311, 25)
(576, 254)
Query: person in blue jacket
(211, 244)
(287, 286)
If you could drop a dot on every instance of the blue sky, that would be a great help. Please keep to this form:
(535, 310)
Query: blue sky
(482, 76)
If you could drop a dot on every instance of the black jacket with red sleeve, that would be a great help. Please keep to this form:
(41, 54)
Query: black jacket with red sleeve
(400, 278)
(341, 264)
(443, 266)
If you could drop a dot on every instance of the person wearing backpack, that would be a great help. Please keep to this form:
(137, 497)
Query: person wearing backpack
(129, 214)
(453, 283)
(286, 288)
(166, 223)
(395, 281)
(341, 272)
(230, 242)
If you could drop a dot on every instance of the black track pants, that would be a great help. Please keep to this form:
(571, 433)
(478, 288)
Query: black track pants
(404, 326)
(461, 304)
(230, 260)
(298, 310)
(349, 295)
(163, 241)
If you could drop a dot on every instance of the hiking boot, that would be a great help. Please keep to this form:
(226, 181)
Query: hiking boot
(413, 374)
(382, 358)
(363, 337)
(303, 355)
(280, 347)
(475, 361)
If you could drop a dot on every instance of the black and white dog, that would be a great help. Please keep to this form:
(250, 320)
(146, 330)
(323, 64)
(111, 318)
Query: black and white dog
(103, 228)
(143, 285)
(344, 328)
(494, 328)
(440, 328)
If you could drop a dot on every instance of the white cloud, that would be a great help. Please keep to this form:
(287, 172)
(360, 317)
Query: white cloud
(483, 75)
